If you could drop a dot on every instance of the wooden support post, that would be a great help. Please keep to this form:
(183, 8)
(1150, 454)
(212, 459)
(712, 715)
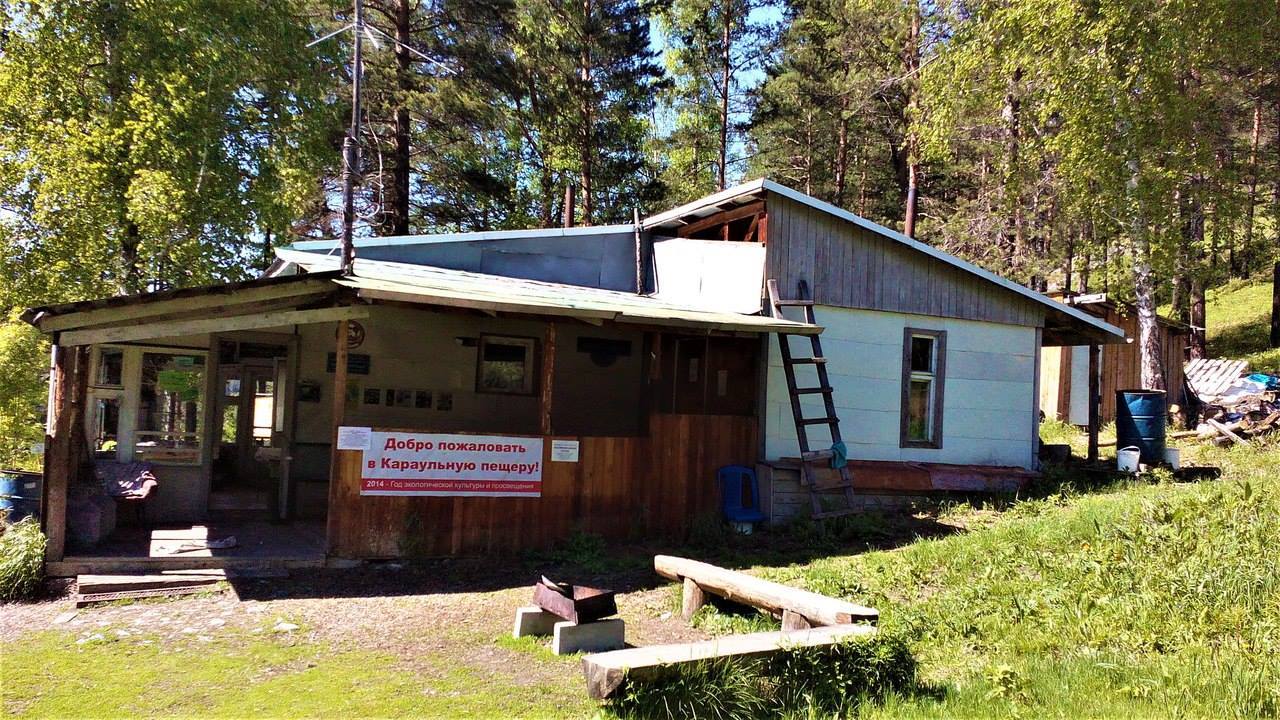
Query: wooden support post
(339, 415)
(68, 377)
(548, 377)
(1095, 397)
(792, 620)
(691, 599)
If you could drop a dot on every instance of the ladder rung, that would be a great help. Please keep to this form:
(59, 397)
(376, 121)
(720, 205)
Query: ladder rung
(794, 303)
(818, 421)
(808, 361)
(815, 455)
(814, 390)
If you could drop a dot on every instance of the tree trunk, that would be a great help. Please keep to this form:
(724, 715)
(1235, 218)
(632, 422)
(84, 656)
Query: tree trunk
(912, 142)
(587, 149)
(1144, 290)
(842, 152)
(1195, 318)
(726, 74)
(395, 212)
(1252, 200)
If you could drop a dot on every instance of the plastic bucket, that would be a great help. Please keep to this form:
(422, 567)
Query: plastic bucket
(1127, 459)
(1173, 457)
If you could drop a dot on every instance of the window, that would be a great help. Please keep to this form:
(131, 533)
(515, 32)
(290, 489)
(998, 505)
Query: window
(110, 367)
(505, 365)
(923, 373)
(169, 404)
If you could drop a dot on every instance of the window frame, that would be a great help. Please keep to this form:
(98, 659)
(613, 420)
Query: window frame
(531, 364)
(938, 383)
(128, 397)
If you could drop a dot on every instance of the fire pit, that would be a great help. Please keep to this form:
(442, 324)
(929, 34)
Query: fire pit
(574, 615)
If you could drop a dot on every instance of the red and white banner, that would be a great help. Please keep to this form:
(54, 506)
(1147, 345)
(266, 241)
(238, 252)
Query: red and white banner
(399, 463)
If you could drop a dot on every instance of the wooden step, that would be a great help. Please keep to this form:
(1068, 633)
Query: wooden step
(794, 303)
(814, 390)
(818, 421)
(816, 456)
(90, 584)
(808, 361)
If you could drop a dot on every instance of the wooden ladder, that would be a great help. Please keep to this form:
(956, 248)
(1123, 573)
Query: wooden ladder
(810, 458)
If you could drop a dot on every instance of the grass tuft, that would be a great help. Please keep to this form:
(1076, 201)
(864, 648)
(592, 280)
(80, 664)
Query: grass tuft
(21, 560)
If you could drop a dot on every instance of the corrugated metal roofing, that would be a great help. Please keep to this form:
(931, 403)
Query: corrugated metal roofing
(382, 280)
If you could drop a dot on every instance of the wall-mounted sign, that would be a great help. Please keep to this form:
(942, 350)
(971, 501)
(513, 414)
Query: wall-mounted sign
(353, 438)
(433, 464)
(357, 363)
(564, 451)
(355, 334)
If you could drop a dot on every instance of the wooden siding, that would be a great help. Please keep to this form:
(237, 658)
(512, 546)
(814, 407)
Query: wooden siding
(1121, 369)
(849, 266)
(622, 488)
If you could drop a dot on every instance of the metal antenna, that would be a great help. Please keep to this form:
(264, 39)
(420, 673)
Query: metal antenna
(351, 143)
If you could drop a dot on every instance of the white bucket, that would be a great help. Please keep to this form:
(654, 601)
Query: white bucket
(1127, 459)
(1173, 456)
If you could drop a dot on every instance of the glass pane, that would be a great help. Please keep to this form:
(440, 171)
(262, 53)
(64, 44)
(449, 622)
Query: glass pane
(921, 354)
(504, 366)
(169, 407)
(110, 367)
(230, 416)
(920, 411)
(107, 422)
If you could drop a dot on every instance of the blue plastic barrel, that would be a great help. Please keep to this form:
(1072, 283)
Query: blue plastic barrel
(1141, 417)
(19, 494)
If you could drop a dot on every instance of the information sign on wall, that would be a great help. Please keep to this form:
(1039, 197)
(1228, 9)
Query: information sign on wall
(433, 464)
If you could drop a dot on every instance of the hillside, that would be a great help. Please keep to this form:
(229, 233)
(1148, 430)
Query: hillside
(1238, 316)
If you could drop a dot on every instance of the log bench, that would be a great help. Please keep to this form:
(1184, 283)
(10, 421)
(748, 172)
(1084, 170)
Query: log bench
(605, 672)
(797, 608)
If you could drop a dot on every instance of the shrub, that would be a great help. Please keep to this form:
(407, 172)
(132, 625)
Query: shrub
(21, 560)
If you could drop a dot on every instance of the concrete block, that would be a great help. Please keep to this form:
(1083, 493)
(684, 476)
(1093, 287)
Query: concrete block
(588, 637)
(534, 621)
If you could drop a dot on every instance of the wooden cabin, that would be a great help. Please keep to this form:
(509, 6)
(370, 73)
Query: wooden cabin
(1064, 370)
(497, 391)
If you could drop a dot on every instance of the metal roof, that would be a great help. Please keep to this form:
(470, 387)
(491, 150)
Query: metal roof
(396, 240)
(422, 284)
(754, 189)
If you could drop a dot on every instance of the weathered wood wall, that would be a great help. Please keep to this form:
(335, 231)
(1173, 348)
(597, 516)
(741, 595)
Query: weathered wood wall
(1121, 368)
(622, 488)
(849, 266)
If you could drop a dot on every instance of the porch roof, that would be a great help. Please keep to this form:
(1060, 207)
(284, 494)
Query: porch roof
(426, 285)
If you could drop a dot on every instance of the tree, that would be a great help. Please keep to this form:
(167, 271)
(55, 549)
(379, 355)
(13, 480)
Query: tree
(710, 46)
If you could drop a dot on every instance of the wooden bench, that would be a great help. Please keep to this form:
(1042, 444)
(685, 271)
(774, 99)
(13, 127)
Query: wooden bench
(605, 672)
(797, 608)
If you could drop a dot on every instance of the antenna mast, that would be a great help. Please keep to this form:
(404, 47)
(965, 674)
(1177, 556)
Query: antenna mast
(351, 145)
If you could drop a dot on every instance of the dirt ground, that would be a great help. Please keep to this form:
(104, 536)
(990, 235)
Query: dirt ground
(455, 609)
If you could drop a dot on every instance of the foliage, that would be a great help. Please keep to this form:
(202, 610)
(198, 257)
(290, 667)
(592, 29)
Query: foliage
(24, 363)
(831, 680)
(21, 560)
(717, 620)
(151, 144)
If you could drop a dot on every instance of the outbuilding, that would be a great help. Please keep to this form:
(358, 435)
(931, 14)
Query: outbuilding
(498, 391)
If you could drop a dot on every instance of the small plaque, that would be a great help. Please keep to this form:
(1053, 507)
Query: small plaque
(564, 451)
(354, 438)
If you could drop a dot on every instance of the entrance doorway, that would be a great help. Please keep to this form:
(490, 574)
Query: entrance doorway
(247, 471)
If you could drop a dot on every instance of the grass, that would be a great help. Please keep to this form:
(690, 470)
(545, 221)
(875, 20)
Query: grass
(47, 675)
(1238, 316)
(1138, 599)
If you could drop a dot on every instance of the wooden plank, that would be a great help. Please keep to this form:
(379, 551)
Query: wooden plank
(219, 295)
(1095, 357)
(336, 419)
(691, 599)
(761, 593)
(89, 584)
(546, 381)
(208, 325)
(605, 672)
(720, 218)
